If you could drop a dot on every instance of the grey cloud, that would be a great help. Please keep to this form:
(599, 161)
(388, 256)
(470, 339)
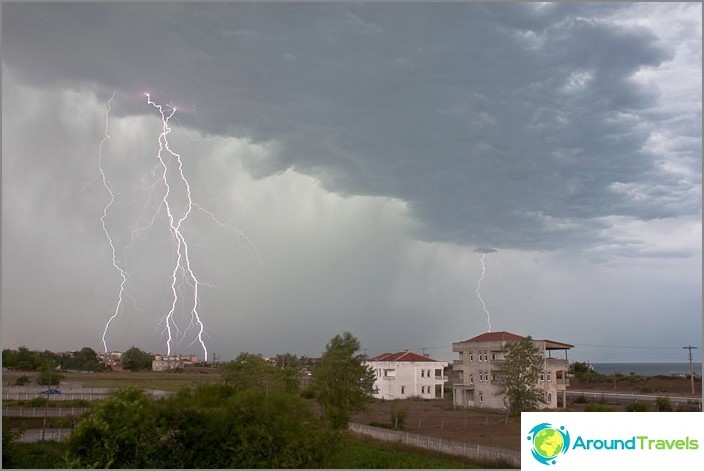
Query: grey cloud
(491, 139)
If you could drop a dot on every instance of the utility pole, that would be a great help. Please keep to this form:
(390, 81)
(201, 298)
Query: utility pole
(691, 371)
(423, 349)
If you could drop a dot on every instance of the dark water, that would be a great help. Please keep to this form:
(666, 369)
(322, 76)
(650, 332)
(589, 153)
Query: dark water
(646, 369)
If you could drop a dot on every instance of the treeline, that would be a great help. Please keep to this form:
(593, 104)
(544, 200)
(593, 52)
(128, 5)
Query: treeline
(24, 359)
(255, 417)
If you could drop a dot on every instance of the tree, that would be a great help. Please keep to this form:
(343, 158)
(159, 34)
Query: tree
(85, 360)
(519, 377)
(341, 381)
(207, 427)
(249, 371)
(135, 359)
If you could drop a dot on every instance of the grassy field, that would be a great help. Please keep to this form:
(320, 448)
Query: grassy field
(160, 380)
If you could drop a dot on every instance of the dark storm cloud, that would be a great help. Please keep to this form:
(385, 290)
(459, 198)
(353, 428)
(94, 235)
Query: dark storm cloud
(509, 126)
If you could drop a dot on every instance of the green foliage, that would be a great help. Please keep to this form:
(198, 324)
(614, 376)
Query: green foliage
(519, 377)
(46, 455)
(579, 367)
(580, 400)
(637, 406)
(360, 453)
(207, 427)
(84, 360)
(596, 407)
(341, 381)
(22, 380)
(398, 417)
(24, 359)
(662, 404)
(37, 402)
(50, 378)
(249, 371)
(135, 359)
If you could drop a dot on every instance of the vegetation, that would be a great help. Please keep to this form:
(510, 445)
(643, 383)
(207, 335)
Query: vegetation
(249, 371)
(23, 359)
(135, 359)
(341, 381)
(637, 406)
(596, 407)
(519, 377)
(662, 404)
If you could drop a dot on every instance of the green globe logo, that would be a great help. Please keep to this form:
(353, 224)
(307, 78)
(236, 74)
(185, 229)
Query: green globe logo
(548, 442)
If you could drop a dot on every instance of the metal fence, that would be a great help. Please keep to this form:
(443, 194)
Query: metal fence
(453, 447)
(43, 411)
(50, 434)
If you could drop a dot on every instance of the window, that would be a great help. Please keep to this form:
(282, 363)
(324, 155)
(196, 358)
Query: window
(422, 373)
(481, 397)
(471, 356)
(542, 376)
(549, 375)
(549, 398)
(493, 355)
(403, 389)
(471, 379)
(422, 389)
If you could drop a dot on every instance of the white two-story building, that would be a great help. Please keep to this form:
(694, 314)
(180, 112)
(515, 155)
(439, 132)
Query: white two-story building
(406, 374)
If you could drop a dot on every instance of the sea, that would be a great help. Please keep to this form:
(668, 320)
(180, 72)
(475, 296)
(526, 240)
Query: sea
(647, 369)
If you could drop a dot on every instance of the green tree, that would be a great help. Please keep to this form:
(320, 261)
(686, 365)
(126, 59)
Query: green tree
(119, 432)
(249, 371)
(135, 359)
(208, 427)
(86, 359)
(341, 381)
(519, 375)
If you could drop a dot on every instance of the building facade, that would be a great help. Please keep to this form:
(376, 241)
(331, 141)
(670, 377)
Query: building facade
(406, 374)
(171, 362)
(477, 383)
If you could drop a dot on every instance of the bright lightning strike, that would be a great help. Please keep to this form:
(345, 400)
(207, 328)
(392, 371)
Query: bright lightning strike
(108, 187)
(479, 285)
(168, 176)
(183, 262)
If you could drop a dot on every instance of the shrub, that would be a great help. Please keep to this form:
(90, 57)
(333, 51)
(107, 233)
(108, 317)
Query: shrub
(662, 404)
(581, 400)
(22, 380)
(637, 406)
(594, 407)
(398, 417)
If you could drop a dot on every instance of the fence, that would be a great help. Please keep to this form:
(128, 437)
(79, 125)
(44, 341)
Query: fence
(453, 447)
(50, 434)
(88, 394)
(43, 411)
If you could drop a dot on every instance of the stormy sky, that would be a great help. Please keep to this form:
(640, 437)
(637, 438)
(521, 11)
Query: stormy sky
(352, 163)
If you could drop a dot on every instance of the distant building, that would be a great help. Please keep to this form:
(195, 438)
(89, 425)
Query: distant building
(112, 360)
(171, 362)
(406, 374)
(477, 384)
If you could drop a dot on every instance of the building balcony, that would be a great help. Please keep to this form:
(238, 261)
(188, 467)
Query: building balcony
(441, 378)
(388, 378)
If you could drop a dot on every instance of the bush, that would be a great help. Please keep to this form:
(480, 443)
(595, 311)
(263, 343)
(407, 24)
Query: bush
(637, 406)
(662, 404)
(398, 417)
(594, 407)
(581, 400)
(22, 380)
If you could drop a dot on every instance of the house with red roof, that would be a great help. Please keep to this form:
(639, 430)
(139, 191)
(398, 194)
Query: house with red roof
(405, 374)
(477, 382)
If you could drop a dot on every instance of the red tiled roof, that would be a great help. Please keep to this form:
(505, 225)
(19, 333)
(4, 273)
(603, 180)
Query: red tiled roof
(495, 336)
(401, 356)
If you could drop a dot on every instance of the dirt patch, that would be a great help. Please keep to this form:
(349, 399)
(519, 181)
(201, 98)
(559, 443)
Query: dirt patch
(438, 418)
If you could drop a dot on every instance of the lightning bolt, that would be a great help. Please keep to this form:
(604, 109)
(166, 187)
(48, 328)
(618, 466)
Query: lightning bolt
(167, 184)
(488, 316)
(183, 262)
(108, 187)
